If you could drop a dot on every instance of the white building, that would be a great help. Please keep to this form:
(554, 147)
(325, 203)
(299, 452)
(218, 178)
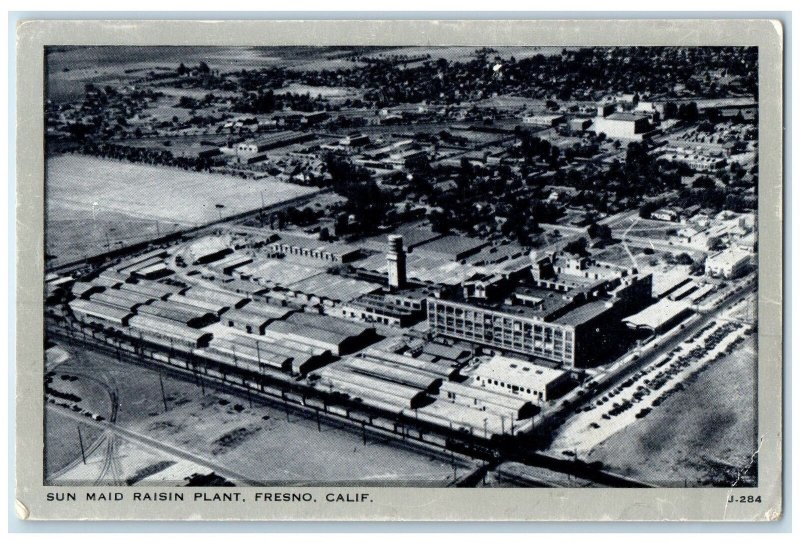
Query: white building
(518, 377)
(624, 126)
(728, 263)
(543, 120)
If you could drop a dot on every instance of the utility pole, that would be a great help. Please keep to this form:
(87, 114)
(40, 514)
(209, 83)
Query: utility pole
(319, 427)
(163, 395)
(80, 441)
(364, 433)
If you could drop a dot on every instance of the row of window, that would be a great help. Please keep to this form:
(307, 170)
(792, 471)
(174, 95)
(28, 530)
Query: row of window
(511, 387)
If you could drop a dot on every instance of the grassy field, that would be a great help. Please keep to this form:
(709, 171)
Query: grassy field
(701, 436)
(94, 204)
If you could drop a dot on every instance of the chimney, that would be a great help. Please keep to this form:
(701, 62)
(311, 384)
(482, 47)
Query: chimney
(396, 262)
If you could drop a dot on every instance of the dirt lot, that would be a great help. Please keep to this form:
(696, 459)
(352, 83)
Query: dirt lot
(700, 436)
(134, 201)
(257, 443)
(61, 441)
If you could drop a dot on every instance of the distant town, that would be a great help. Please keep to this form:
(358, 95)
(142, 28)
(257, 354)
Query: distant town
(508, 267)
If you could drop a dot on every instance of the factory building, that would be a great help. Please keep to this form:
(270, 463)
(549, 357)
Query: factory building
(85, 290)
(454, 247)
(622, 125)
(473, 395)
(314, 249)
(151, 289)
(254, 150)
(555, 315)
(122, 299)
(229, 264)
(141, 260)
(167, 332)
(216, 308)
(247, 321)
(256, 355)
(354, 140)
(394, 373)
(154, 271)
(372, 391)
(517, 377)
(190, 316)
(92, 312)
(728, 263)
(335, 335)
(661, 316)
(378, 308)
(412, 363)
(544, 120)
(503, 328)
(111, 278)
(215, 296)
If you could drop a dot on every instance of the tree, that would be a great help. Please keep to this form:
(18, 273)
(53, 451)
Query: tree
(182, 69)
(578, 247)
(439, 222)
(599, 232)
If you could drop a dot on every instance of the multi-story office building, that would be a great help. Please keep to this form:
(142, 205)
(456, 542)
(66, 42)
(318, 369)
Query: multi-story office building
(565, 319)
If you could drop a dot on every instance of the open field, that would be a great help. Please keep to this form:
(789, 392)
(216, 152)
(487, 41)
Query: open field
(61, 442)
(324, 92)
(699, 436)
(93, 204)
(259, 442)
(70, 68)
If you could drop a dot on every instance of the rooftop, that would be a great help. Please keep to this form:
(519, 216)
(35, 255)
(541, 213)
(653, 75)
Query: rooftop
(519, 372)
(333, 287)
(625, 116)
(658, 314)
(452, 245)
(728, 257)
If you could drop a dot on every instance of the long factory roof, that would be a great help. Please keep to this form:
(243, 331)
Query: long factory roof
(473, 391)
(375, 386)
(246, 317)
(151, 288)
(333, 324)
(214, 307)
(125, 299)
(227, 298)
(166, 327)
(392, 373)
(657, 315)
(333, 287)
(310, 335)
(105, 311)
(410, 362)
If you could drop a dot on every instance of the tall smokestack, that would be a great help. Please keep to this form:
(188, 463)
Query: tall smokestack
(396, 261)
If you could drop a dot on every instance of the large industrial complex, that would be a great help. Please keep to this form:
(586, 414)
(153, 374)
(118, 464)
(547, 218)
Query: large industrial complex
(469, 274)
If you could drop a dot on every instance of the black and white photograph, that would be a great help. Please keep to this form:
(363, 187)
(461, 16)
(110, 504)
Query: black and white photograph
(399, 271)
(401, 266)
